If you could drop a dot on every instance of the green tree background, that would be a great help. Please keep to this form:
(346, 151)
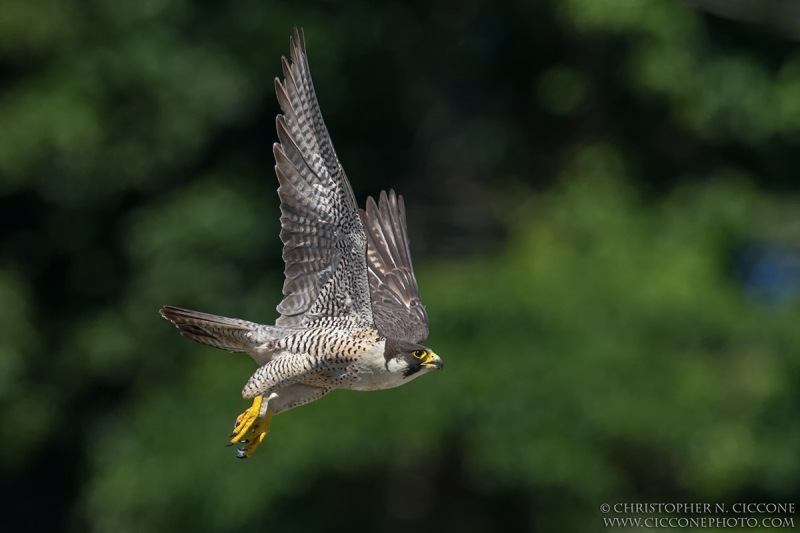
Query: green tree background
(604, 215)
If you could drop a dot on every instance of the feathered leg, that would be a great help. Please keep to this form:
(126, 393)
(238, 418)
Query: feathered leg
(253, 425)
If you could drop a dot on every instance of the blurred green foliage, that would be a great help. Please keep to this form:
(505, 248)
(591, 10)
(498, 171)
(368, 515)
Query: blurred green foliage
(592, 188)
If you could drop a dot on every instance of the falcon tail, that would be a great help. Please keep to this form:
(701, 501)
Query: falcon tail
(229, 334)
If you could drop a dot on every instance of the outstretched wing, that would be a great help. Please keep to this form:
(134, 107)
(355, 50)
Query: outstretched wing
(396, 307)
(324, 245)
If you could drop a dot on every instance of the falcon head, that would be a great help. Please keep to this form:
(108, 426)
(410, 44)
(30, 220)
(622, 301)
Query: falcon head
(410, 359)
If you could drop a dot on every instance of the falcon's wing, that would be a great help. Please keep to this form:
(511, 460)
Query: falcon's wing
(324, 246)
(396, 307)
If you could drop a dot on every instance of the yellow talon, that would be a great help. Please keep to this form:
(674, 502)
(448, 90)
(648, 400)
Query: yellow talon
(246, 420)
(251, 428)
(257, 435)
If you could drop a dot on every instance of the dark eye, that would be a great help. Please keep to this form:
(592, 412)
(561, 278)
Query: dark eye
(419, 354)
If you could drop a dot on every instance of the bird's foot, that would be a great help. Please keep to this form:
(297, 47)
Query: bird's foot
(251, 427)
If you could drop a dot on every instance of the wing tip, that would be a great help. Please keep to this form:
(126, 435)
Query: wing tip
(298, 38)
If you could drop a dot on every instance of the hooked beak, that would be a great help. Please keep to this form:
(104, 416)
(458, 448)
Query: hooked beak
(432, 362)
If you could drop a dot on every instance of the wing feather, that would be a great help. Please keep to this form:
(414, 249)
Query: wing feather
(324, 245)
(396, 306)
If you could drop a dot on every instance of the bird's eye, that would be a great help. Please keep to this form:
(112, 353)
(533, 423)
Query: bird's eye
(419, 354)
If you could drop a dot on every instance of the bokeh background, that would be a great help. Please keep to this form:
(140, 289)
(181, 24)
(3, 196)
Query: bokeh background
(604, 212)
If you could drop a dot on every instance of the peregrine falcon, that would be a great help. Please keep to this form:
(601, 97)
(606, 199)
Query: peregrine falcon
(351, 316)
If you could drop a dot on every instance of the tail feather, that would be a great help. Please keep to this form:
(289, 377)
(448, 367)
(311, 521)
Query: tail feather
(220, 332)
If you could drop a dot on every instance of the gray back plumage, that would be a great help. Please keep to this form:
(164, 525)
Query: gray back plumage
(396, 306)
(324, 244)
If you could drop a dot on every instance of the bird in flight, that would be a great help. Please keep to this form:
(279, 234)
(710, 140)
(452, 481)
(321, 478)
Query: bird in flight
(351, 315)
